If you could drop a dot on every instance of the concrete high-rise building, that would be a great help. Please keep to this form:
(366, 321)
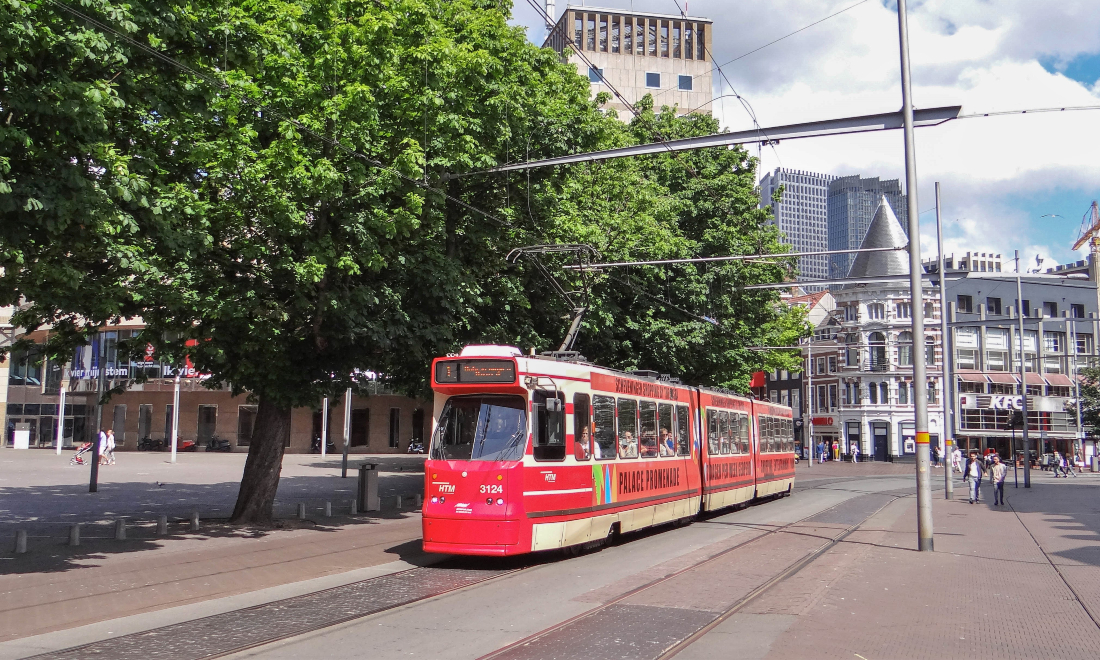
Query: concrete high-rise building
(852, 202)
(638, 53)
(802, 215)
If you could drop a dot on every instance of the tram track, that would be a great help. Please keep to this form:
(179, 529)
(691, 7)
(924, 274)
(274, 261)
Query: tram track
(528, 647)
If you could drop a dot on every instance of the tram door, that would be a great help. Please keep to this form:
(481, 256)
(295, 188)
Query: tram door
(881, 435)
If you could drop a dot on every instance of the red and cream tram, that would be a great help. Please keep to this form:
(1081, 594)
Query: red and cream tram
(533, 453)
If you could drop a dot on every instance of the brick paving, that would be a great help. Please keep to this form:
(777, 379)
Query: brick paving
(988, 591)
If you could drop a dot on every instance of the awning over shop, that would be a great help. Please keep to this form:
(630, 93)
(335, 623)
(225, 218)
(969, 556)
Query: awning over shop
(1059, 380)
(1034, 379)
(971, 376)
(1002, 378)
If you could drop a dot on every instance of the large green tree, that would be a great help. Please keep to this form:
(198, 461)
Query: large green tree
(284, 201)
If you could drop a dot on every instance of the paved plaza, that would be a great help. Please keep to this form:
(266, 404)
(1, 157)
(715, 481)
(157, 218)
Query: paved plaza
(1020, 581)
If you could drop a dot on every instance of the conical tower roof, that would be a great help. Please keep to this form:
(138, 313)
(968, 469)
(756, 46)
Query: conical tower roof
(885, 231)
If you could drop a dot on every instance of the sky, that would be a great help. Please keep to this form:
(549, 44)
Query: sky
(998, 175)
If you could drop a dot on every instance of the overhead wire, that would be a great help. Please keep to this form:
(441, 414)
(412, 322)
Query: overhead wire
(222, 85)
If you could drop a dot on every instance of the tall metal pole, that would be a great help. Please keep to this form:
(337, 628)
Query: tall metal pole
(101, 355)
(1023, 374)
(920, 378)
(176, 416)
(324, 427)
(947, 345)
(809, 426)
(61, 413)
(347, 432)
(1076, 387)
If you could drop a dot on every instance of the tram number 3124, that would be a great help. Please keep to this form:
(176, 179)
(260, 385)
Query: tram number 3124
(490, 489)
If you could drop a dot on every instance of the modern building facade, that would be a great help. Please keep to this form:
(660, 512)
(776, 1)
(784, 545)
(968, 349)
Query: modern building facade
(801, 215)
(639, 53)
(851, 205)
(382, 422)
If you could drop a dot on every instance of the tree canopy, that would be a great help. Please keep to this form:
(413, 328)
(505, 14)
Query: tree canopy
(269, 180)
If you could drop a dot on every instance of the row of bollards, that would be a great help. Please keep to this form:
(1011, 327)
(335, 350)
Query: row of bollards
(162, 523)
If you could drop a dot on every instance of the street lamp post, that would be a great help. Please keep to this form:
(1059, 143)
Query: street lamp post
(920, 378)
(809, 426)
(946, 347)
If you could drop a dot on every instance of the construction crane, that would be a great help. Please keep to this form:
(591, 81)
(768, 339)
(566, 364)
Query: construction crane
(1090, 228)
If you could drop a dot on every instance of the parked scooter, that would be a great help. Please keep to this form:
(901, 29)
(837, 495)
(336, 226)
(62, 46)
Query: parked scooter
(416, 446)
(149, 444)
(218, 444)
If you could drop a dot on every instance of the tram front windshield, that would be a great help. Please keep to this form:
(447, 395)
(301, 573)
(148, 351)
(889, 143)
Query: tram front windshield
(481, 428)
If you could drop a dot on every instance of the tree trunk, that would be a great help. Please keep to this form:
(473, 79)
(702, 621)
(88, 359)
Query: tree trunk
(260, 482)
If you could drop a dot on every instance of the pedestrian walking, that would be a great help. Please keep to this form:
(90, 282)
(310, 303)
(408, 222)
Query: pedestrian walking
(1056, 463)
(935, 456)
(956, 460)
(974, 473)
(821, 452)
(855, 452)
(110, 447)
(997, 475)
(101, 441)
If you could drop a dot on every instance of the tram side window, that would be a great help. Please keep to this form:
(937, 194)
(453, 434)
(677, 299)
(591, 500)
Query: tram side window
(788, 435)
(712, 432)
(735, 431)
(773, 439)
(724, 431)
(683, 440)
(628, 428)
(582, 427)
(604, 434)
(647, 438)
(666, 441)
(765, 434)
(549, 409)
(743, 438)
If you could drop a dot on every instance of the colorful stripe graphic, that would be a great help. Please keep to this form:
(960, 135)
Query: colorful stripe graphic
(603, 480)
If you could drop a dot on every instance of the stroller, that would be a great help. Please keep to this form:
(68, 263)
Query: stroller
(78, 458)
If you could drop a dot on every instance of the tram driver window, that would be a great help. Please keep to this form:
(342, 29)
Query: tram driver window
(647, 437)
(549, 412)
(603, 447)
(683, 440)
(666, 442)
(712, 432)
(628, 428)
(582, 428)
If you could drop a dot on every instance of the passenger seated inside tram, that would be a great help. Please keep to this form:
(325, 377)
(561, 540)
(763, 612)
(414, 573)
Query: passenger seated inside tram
(725, 444)
(649, 444)
(628, 445)
(583, 445)
(668, 445)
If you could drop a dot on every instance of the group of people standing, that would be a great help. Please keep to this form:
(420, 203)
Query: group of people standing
(830, 451)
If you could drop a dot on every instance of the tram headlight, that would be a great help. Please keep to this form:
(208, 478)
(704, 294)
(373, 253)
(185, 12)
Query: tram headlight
(435, 500)
(500, 500)
(442, 499)
(489, 501)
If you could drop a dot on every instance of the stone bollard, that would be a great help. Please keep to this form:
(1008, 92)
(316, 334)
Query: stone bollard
(120, 529)
(328, 509)
(301, 511)
(419, 500)
(162, 525)
(194, 521)
(74, 534)
(354, 508)
(20, 541)
(398, 502)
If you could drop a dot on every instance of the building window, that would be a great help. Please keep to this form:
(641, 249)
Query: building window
(628, 35)
(876, 311)
(615, 34)
(832, 364)
(145, 420)
(246, 422)
(832, 397)
(932, 392)
(903, 393)
(903, 310)
(851, 312)
(685, 83)
(1050, 310)
(993, 306)
(929, 351)
(929, 311)
(1077, 311)
(700, 42)
(639, 36)
(603, 33)
(208, 424)
(595, 75)
(591, 43)
(1027, 308)
(876, 343)
(872, 393)
(652, 37)
(967, 359)
(905, 349)
(1054, 342)
(884, 392)
(965, 304)
(820, 365)
(689, 39)
(676, 39)
(1084, 343)
(360, 427)
(653, 80)
(578, 29)
(664, 38)
(996, 361)
(395, 427)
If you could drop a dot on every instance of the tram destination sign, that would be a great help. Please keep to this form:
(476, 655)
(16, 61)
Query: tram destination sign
(475, 371)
